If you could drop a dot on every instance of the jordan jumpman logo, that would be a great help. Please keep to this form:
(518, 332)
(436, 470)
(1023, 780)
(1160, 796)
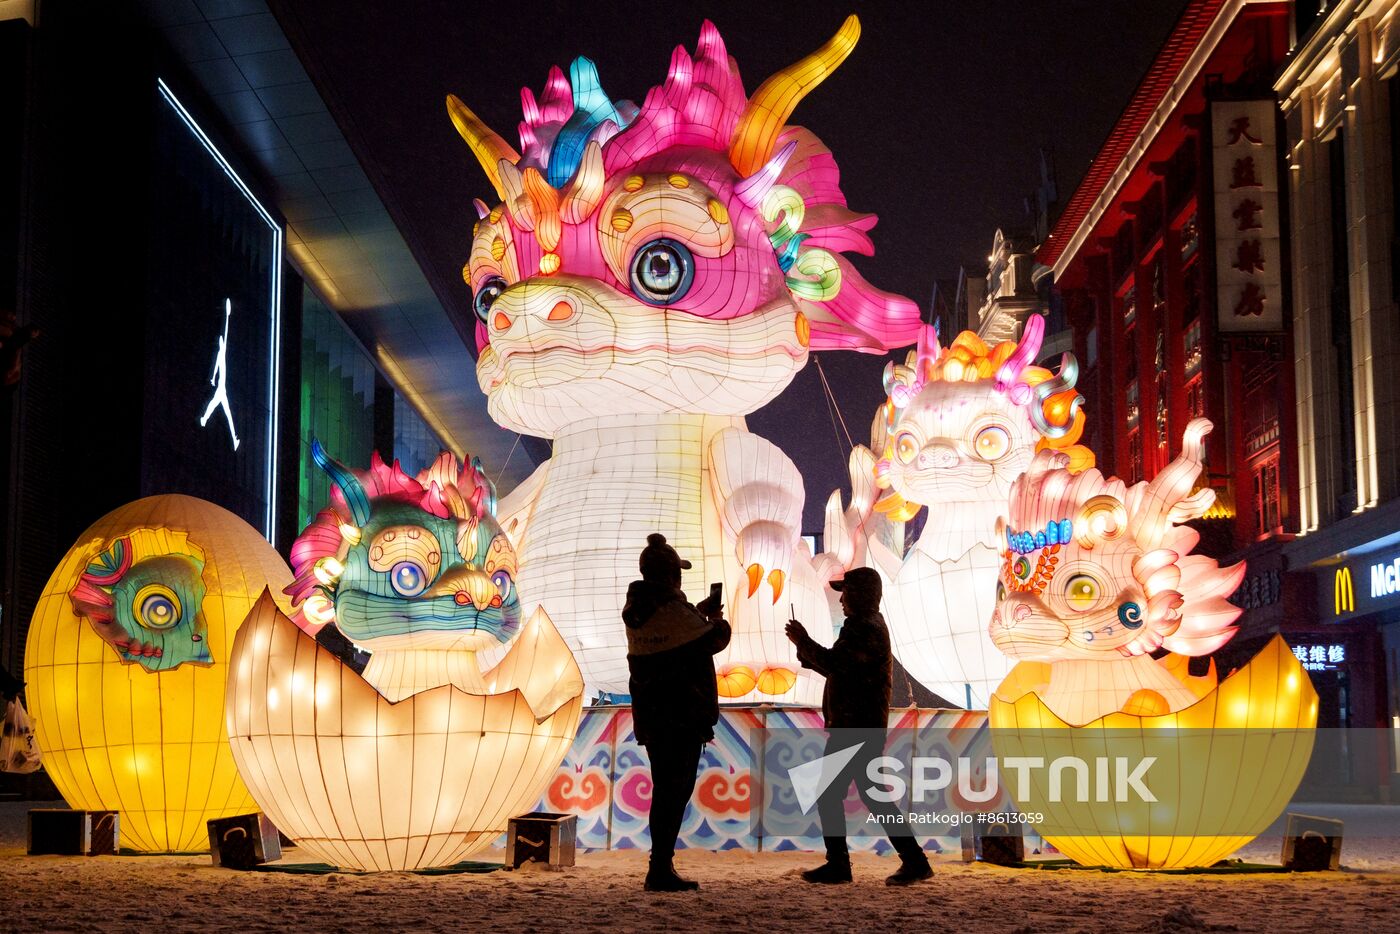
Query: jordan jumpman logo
(220, 380)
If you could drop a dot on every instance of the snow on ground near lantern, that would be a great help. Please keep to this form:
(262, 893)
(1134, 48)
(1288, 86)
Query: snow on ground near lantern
(739, 891)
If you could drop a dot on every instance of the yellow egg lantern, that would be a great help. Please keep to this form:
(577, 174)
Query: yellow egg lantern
(126, 660)
(1125, 758)
(1222, 769)
(420, 761)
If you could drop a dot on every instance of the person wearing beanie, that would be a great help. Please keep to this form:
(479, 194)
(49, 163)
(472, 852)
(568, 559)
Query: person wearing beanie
(856, 707)
(675, 704)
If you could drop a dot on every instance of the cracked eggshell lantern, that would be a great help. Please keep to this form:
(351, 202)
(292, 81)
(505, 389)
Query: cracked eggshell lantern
(648, 276)
(421, 761)
(126, 663)
(1096, 577)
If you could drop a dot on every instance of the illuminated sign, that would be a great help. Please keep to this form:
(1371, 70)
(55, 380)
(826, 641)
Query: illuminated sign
(1320, 657)
(1385, 578)
(1248, 247)
(220, 381)
(217, 247)
(1343, 592)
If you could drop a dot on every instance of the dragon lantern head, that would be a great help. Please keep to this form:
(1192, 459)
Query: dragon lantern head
(681, 256)
(960, 423)
(407, 562)
(143, 593)
(1092, 569)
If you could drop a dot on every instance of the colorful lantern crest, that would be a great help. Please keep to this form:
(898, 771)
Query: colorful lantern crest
(126, 662)
(958, 426)
(419, 762)
(651, 275)
(1096, 577)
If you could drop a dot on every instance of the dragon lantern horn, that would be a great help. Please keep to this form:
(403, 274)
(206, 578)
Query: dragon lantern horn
(1031, 337)
(771, 105)
(345, 481)
(1167, 498)
(486, 145)
(925, 354)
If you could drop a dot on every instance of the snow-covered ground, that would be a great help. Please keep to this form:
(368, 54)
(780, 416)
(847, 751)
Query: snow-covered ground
(739, 892)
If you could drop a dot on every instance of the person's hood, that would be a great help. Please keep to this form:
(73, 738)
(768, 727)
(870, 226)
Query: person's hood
(644, 597)
(658, 618)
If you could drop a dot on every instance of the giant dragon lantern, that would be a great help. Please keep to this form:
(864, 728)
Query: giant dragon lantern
(1101, 604)
(419, 762)
(959, 425)
(649, 276)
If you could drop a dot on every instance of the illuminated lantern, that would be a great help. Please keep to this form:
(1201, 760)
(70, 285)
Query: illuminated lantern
(126, 663)
(958, 426)
(649, 276)
(421, 761)
(1096, 576)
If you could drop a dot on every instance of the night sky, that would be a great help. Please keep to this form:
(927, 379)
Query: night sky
(936, 121)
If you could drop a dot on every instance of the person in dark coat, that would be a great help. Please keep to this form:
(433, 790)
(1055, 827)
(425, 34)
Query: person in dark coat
(856, 707)
(675, 703)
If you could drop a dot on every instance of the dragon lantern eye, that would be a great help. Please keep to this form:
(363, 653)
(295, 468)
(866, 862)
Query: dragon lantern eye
(1082, 591)
(408, 579)
(662, 271)
(157, 608)
(503, 585)
(486, 295)
(991, 443)
(906, 447)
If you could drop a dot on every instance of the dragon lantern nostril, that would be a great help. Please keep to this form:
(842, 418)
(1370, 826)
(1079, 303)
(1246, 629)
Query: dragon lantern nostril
(462, 598)
(562, 311)
(1020, 612)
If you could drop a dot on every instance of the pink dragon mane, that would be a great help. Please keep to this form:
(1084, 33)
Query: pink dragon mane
(1188, 610)
(576, 144)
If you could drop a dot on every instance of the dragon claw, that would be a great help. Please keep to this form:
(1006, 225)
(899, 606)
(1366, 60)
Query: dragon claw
(776, 580)
(755, 575)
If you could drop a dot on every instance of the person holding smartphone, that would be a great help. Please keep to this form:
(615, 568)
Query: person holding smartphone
(671, 646)
(856, 707)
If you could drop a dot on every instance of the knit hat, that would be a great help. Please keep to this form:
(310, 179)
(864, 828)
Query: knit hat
(660, 559)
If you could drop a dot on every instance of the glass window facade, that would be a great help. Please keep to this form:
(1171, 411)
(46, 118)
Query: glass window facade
(337, 401)
(415, 444)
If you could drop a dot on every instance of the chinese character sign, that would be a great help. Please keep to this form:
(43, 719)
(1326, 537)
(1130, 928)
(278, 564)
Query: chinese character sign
(1248, 254)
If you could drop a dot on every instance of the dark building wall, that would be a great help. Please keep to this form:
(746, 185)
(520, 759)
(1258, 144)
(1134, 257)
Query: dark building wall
(80, 278)
(129, 237)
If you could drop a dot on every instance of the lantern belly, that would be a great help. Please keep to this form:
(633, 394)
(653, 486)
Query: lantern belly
(604, 494)
(937, 613)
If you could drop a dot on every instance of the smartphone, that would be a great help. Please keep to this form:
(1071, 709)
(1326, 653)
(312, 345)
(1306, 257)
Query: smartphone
(717, 594)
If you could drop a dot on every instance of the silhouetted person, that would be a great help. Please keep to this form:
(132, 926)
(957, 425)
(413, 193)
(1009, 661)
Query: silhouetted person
(675, 704)
(856, 707)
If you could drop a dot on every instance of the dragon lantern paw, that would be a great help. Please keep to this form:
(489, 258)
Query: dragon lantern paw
(776, 578)
(765, 550)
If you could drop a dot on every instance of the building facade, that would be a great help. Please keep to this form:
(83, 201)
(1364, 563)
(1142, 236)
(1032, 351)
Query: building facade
(202, 316)
(1171, 269)
(1340, 101)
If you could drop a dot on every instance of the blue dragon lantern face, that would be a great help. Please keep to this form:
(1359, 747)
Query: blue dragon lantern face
(400, 562)
(143, 594)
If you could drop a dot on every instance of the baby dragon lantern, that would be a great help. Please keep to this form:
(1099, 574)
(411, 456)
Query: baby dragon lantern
(960, 424)
(1096, 577)
(651, 276)
(419, 762)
